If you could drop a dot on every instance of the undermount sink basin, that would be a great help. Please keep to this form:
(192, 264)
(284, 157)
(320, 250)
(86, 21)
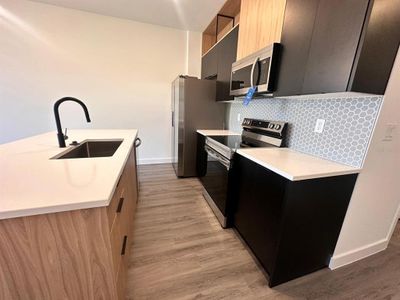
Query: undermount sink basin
(92, 148)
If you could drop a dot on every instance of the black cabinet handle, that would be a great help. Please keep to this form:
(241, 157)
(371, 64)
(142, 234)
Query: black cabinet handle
(120, 203)
(124, 245)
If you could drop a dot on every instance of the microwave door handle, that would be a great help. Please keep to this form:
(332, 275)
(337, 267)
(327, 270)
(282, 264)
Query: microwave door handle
(252, 71)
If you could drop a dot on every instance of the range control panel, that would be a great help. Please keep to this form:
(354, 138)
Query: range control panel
(271, 126)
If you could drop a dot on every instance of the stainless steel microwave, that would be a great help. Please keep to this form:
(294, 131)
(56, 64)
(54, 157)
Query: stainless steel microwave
(256, 70)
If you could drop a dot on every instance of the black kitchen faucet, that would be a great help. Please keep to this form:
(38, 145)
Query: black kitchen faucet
(60, 135)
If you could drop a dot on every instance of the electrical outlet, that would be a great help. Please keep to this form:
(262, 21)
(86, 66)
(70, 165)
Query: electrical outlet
(238, 117)
(319, 126)
(390, 131)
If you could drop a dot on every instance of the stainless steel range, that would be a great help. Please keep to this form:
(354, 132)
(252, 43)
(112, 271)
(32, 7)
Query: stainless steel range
(220, 175)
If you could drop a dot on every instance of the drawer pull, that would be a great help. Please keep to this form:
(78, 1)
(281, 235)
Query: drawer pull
(120, 204)
(124, 245)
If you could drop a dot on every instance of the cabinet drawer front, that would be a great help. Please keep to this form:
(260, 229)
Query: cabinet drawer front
(117, 241)
(120, 212)
(119, 230)
(122, 227)
(129, 207)
(115, 203)
(121, 277)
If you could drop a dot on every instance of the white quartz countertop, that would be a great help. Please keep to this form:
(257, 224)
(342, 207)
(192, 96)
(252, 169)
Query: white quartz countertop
(211, 132)
(294, 165)
(32, 183)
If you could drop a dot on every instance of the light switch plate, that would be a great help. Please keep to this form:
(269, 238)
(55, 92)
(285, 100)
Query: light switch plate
(238, 117)
(319, 126)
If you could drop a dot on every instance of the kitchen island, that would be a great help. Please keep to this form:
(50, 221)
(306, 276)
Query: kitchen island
(66, 224)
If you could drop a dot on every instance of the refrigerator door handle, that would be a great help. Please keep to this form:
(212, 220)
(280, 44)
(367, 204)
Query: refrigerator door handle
(173, 118)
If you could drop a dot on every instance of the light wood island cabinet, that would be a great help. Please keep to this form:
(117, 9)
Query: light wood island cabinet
(78, 254)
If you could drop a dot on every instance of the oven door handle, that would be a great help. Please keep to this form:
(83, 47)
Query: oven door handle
(218, 157)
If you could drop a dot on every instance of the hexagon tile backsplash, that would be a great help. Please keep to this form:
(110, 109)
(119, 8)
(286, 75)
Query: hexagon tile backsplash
(349, 123)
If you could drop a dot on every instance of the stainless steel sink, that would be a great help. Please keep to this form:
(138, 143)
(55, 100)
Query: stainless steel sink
(91, 148)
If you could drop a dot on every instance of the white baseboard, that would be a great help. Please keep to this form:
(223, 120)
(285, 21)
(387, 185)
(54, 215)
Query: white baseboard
(349, 257)
(153, 161)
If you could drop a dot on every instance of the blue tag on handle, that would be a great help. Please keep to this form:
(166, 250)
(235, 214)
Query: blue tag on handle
(249, 95)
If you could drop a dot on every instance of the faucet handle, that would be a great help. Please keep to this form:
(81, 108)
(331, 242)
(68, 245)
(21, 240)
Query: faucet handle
(65, 134)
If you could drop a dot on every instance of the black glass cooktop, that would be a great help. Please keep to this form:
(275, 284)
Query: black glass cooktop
(231, 141)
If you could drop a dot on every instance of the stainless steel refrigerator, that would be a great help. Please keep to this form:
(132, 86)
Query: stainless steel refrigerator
(193, 107)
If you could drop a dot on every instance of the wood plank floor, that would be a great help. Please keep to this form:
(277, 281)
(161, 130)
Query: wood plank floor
(181, 252)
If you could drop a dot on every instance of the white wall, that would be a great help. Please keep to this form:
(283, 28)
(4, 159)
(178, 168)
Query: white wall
(374, 206)
(121, 69)
(194, 53)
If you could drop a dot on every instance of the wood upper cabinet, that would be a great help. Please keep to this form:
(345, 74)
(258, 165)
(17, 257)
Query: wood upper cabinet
(227, 18)
(79, 254)
(261, 24)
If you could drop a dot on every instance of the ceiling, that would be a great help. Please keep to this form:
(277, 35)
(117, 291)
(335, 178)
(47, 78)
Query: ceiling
(192, 15)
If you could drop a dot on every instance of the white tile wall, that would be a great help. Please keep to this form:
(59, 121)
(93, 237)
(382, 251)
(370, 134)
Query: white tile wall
(349, 123)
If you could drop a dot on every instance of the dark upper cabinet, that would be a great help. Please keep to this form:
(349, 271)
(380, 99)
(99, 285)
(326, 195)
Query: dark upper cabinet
(209, 64)
(381, 38)
(337, 29)
(217, 64)
(296, 38)
(226, 49)
(337, 46)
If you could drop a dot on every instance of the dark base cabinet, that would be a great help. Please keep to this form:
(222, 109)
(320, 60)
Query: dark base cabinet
(291, 226)
(201, 156)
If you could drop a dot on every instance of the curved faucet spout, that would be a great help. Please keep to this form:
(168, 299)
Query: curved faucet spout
(60, 135)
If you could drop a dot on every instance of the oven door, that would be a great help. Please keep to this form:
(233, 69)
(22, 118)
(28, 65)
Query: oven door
(215, 183)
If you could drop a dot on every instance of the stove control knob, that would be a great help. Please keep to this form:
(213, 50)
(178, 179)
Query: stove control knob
(271, 126)
(277, 127)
